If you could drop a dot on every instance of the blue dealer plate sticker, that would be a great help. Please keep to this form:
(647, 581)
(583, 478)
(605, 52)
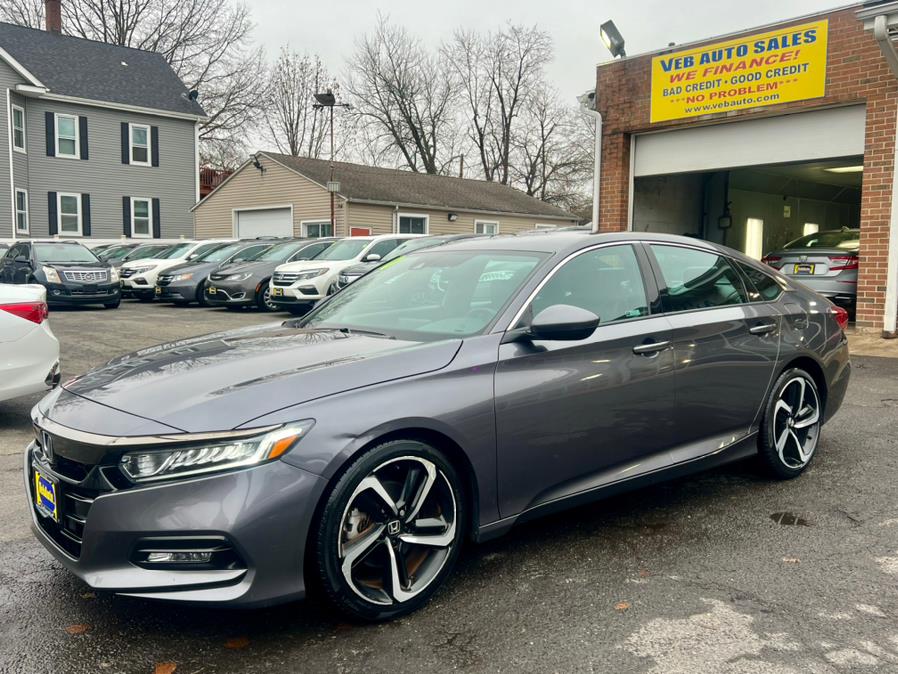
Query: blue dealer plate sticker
(45, 496)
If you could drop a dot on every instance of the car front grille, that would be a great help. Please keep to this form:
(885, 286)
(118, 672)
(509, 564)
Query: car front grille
(284, 278)
(98, 276)
(164, 279)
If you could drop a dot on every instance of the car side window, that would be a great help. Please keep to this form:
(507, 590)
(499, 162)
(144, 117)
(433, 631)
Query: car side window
(606, 281)
(383, 247)
(696, 279)
(761, 287)
(19, 250)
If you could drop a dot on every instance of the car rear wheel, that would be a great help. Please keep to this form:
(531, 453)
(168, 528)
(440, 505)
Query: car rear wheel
(790, 429)
(390, 531)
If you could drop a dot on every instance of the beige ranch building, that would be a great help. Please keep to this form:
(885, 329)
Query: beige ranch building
(287, 196)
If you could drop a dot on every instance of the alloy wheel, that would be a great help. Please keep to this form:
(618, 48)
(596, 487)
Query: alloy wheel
(266, 300)
(397, 530)
(796, 423)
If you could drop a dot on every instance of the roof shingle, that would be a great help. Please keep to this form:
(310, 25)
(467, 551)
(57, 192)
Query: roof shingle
(370, 183)
(72, 66)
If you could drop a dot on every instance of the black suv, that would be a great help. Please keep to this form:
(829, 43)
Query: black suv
(69, 271)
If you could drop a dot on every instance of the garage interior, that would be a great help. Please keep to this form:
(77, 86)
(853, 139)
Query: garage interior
(753, 209)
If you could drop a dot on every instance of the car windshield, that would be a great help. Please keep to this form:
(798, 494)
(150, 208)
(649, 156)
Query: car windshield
(347, 249)
(63, 252)
(114, 253)
(280, 252)
(174, 251)
(218, 254)
(846, 239)
(429, 296)
(145, 251)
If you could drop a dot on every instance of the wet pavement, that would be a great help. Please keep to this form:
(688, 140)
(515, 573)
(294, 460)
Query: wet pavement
(722, 572)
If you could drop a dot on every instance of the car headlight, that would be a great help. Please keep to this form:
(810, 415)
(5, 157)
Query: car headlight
(310, 273)
(182, 277)
(113, 274)
(51, 274)
(160, 464)
(143, 270)
(238, 277)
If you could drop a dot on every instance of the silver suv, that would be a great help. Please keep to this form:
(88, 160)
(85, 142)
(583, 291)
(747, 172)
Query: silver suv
(826, 262)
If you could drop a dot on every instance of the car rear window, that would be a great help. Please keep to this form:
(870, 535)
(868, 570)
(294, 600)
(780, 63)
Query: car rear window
(761, 287)
(846, 239)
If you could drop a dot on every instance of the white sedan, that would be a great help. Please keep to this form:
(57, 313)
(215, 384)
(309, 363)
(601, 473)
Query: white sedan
(29, 351)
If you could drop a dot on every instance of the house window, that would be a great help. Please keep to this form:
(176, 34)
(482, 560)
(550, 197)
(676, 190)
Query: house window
(486, 227)
(18, 128)
(140, 144)
(21, 211)
(317, 230)
(141, 218)
(69, 208)
(67, 141)
(412, 223)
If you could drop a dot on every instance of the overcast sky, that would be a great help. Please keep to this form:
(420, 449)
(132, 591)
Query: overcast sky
(330, 27)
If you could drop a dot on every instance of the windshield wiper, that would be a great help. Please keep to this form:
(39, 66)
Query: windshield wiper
(372, 333)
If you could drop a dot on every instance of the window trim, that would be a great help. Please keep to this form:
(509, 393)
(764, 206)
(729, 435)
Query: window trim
(304, 228)
(647, 284)
(426, 217)
(23, 149)
(149, 234)
(77, 197)
(131, 160)
(662, 283)
(487, 222)
(77, 139)
(16, 194)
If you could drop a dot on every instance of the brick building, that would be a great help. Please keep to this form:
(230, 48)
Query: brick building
(799, 138)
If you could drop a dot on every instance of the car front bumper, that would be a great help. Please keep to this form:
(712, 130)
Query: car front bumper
(307, 291)
(262, 514)
(183, 291)
(232, 293)
(30, 364)
(101, 293)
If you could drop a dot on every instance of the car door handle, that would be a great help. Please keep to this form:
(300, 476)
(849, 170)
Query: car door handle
(650, 349)
(762, 329)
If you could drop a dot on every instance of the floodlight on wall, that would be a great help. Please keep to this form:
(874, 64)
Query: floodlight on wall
(810, 228)
(612, 39)
(845, 169)
(453, 217)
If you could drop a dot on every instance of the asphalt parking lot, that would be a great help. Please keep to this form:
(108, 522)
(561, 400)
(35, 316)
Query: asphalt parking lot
(722, 572)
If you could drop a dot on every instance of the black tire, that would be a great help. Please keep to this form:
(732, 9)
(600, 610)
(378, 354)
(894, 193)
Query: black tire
(201, 295)
(785, 444)
(263, 298)
(181, 303)
(112, 305)
(430, 564)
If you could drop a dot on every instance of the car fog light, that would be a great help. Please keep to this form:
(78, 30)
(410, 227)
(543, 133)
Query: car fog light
(57, 292)
(179, 557)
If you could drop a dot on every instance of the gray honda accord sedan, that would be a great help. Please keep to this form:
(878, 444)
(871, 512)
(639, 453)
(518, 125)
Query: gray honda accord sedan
(444, 397)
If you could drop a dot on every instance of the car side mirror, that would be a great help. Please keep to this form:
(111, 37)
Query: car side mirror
(373, 257)
(21, 259)
(563, 322)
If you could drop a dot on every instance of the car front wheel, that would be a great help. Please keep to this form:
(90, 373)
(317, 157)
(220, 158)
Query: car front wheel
(790, 429)
(390, 531)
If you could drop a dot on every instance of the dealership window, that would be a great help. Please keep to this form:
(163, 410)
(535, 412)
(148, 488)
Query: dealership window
(486, 227)
(67, 141)
(141, 218)
(18, 128)
(696, 279)
(810, 228)
(21, 211)
(140, 144)
(754, 238)
(69, 208)
(412, 223)
(317, 230)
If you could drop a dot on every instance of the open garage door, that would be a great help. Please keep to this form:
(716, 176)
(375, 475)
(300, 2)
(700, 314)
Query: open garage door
(264, 222)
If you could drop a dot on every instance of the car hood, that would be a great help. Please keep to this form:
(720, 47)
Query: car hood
(316, 264)
(193, 267)
(76, 265)
(144, 261)
(260, 267)
(225, 380)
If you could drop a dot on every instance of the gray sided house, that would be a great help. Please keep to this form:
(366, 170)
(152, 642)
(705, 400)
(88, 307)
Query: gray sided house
(101, 140)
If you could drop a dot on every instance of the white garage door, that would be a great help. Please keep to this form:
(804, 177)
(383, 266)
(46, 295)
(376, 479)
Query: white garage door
(805, 136)
(264, 222)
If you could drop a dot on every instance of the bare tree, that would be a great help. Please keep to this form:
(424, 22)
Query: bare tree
(404, 97)
(291, 123)
(207, 43)
(498, 73)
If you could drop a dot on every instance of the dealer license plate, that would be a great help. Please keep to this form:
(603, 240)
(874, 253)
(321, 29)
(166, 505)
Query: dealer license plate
(212, 290)
(803, 268)
(277, 292)
(158, 290)
(45, 495)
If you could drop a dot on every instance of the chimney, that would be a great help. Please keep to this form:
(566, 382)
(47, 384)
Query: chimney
(53, 10)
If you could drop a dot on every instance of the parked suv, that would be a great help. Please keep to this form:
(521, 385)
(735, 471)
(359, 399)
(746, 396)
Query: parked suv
(186, 283)
(71, 273)
(298, 285)
(244, 284)
(139, 277)
(826, 262)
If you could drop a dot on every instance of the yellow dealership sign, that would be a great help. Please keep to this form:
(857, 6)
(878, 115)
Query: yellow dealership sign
(784, 65)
